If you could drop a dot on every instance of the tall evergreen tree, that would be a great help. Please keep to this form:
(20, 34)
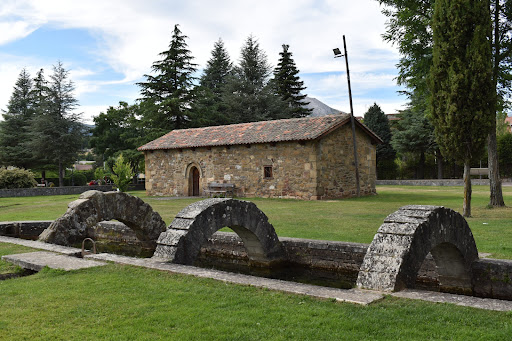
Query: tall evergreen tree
(410, 27)
(217, 69)
(14, 129)
(56, 130)
(208, 108)
(289, 86)
(377, 121)
(170, 89)
(461, 82)
(41, 104)
(248, 96)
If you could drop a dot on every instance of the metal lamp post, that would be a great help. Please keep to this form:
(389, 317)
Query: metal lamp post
(337, 53)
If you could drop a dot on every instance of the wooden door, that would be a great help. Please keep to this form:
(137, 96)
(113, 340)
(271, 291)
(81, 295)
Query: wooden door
(195, 182)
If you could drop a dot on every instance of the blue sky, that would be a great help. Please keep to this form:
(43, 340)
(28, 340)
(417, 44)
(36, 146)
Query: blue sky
(109, 45)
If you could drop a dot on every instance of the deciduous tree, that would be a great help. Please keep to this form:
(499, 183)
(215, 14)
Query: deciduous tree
(414, 135)
(119, 131)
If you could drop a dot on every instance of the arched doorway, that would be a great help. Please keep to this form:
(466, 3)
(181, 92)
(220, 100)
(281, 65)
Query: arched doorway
(193, 182)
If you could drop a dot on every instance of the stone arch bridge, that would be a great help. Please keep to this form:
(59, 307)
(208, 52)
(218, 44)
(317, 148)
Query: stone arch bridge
(196, 223)
(93, 207)
(404, 240)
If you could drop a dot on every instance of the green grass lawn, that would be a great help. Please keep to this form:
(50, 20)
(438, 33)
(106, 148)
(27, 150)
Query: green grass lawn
(127, 303)
(8, 249)
(351, 220)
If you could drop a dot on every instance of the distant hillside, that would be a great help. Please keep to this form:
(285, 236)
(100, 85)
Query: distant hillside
(319, 108)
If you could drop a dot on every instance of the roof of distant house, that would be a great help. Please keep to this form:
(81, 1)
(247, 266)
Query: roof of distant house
(295, 129)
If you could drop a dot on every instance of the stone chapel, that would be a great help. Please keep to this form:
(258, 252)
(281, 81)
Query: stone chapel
(307, 158)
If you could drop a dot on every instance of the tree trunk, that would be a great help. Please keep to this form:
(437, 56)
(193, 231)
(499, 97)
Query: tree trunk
(421, 168)
(496, 197)
(439, 165)
(466, 208)
(61, 177)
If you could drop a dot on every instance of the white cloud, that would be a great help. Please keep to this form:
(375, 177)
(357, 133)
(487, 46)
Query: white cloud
(10, 68)
(130, 34)
(90, 111)
(15, 30)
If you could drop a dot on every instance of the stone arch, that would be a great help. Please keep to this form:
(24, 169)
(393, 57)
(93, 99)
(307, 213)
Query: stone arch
(93, 207)
(196, 223)
(404, 240)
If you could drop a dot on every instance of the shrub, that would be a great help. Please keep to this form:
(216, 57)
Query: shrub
(79, 179)
(16, 178)
(122, 174)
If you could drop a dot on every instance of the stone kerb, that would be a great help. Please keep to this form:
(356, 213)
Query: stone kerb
(404, 240)
(196, 223)
(93, 207)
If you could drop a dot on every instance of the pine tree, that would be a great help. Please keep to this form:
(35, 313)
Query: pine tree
(377, 121)
(289, 86)
(461, 82)
(248, 96)
(169, 90)
(14, 130)
(56, 130)
(208, 108)
(217, 69)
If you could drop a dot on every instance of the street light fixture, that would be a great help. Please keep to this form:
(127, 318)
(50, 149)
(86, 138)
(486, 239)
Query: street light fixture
(337, 54)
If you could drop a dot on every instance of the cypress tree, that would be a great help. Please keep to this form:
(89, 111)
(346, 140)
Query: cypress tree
(14, 129)
(461, 82)
(289, 86)
(169, 90)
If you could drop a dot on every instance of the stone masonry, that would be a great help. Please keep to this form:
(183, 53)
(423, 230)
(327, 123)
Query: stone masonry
(315, 169)
(404, 240)
(196, 223)
(93, 207)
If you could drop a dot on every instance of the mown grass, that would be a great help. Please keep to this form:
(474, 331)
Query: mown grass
(8, 249)
(351, 220)
(126, 303)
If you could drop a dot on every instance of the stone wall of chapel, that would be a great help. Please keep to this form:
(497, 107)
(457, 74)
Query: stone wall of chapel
(308, 170)
(294, 169)
(336, 170)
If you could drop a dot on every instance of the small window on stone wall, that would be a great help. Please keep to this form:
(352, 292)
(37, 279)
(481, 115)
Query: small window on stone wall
(267, 172)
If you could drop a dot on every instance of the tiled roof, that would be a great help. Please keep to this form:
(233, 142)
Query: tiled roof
(295, 129)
